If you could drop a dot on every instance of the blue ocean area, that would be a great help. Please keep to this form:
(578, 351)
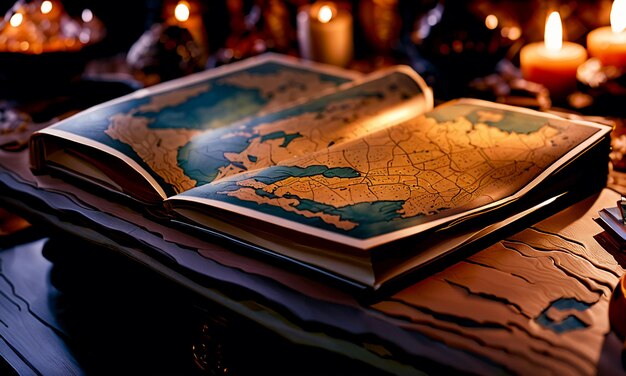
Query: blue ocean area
(275, 174)
(511, 121)
(287, 138)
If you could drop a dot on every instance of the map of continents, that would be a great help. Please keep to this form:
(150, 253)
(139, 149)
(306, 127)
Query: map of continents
(453, 159)
(187, 143)
(151, 129)
(299, 130)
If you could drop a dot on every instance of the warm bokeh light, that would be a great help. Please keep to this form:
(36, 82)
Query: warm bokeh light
(515, 33)
(618, 16)
(181, 12)
(491, 21)
(46, 7)
(553, 35)
(325, 14)
(16, 19)
(87, 15)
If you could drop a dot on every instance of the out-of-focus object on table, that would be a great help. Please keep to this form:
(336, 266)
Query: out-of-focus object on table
(325, 33)
(40, 44)
(456, 34)
(164, 52)
(603, 88)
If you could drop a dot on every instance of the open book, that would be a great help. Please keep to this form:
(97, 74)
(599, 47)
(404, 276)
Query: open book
(355, 176)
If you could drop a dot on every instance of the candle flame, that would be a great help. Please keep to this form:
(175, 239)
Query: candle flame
(325, 14)
(46, 7)
(16, 19)
(618, 16)
(181, 12)
(553, 35)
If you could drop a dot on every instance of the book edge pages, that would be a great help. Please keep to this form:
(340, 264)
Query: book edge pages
(432, 254)
(357, 268)
(113, 152)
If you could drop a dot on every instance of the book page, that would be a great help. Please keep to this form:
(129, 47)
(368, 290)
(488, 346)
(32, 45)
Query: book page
(463, 157)
(354, 110)
(146, 129)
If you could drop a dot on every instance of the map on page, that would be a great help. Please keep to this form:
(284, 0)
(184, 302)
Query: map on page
(151, 129)
(197, 134)
(453, 159)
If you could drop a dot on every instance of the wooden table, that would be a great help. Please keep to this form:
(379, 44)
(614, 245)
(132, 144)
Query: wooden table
(533, 303)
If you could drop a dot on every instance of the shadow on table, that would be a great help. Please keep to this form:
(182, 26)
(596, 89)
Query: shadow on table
(121, 317)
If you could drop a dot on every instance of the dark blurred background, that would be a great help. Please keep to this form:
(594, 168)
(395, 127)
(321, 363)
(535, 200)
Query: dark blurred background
(461, 48)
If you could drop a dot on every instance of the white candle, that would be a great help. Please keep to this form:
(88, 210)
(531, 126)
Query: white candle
(608, 44)
(553, 63)
(325, 33)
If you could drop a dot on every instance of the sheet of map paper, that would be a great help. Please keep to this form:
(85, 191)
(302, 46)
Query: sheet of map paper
(152, 129)
(461, 157)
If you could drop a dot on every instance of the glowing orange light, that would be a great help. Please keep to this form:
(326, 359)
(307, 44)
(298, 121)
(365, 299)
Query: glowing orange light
(181, 12)
(515, 33)
(46, 7)
(16, 19)
(325, 14)
(491, 21)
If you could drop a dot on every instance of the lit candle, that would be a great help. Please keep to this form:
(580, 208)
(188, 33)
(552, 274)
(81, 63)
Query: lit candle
(608, 43)
(325, 33)
(553, 63)
(187, 16)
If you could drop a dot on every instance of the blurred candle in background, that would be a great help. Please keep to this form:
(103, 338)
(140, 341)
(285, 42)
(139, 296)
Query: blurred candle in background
(187, 15)
(325, 33)
(608, 43)
(50, 9)
(553, 63)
